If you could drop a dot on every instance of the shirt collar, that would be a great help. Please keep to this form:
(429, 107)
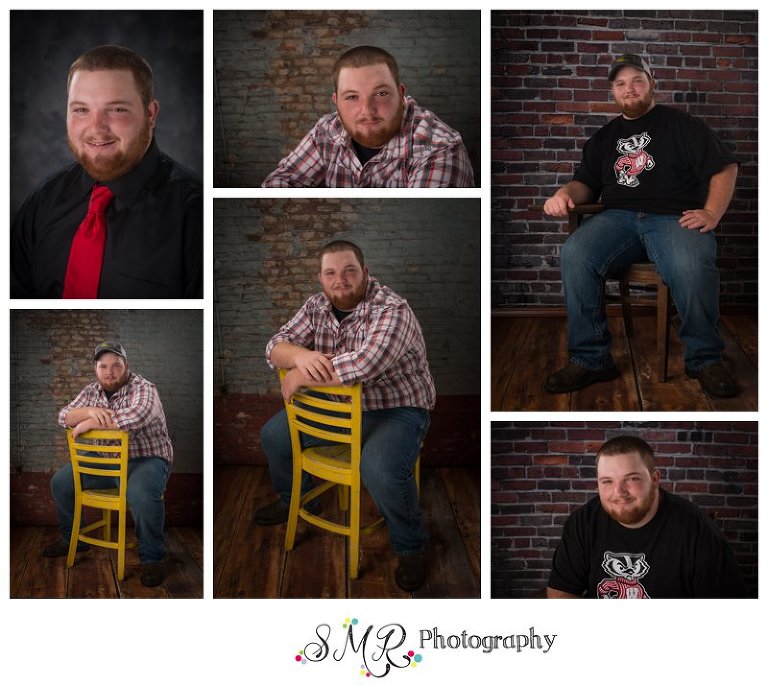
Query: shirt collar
(398, 146)
(128, 187)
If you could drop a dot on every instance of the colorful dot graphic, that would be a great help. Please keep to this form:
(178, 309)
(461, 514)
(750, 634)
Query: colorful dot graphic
(300, 657)
(415, 658)
(348, 622)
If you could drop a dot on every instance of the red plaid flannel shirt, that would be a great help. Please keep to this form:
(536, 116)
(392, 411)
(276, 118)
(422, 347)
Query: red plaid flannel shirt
(137, 409)
(425, 154)
(379, 343)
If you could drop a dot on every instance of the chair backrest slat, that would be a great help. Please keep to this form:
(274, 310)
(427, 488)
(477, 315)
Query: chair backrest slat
(89, 462)
(331, 413)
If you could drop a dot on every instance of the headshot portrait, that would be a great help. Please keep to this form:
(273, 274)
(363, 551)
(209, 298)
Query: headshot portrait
(107, 154)
(624, 510)
(347, 352)
(350, 99)
(106, 453)
(624, 219)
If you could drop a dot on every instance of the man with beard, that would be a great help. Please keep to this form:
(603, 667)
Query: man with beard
(638, 541)
(665, 181)
(121, 400)
(377, 138)
(359, 330)
(124, 220)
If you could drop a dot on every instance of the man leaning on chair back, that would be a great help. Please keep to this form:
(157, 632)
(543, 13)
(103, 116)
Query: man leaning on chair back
(120, 399)
(357, 330)
(665, 180)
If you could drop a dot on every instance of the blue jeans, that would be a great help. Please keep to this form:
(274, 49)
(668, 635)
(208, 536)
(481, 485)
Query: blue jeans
(147, 477)
(610, 241)
(391, 442)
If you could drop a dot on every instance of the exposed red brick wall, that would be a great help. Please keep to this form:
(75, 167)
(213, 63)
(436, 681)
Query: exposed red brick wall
(550, 93)
(543, 471)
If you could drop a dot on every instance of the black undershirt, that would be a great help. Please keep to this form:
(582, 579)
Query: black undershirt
(365, 154)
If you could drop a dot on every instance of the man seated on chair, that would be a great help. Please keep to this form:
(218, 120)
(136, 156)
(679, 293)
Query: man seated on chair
(638, 541)
(121, 400)
(665, 180)
(377, 138)
(359, 330)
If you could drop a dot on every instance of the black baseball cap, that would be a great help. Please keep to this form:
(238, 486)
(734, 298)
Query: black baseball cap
(629, 60)
(109, 346)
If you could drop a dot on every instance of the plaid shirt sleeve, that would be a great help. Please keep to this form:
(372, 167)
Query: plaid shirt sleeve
(303, 168)
(143, 406)
(448, 168)
(300, 330)
(88, 397)
(390, 332)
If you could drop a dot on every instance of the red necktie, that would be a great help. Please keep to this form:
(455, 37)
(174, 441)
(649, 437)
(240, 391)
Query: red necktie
(87, 251)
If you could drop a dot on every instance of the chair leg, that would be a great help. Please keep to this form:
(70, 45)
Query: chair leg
(106, 517)
(121, 521)
(626, 307)
(293, 509)
(343, 497)
(73, 538)
(354, 528)
(662, 332)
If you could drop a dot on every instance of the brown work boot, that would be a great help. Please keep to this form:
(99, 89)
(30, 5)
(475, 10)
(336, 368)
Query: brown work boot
(411, 571)
(716, 380)
(574, 377)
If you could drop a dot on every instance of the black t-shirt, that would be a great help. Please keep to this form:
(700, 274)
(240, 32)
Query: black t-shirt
(660, 163)
(680, 553)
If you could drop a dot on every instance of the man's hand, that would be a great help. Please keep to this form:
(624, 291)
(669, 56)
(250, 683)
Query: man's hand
(315, 365)
(83, 427)
(702, 219)
(103, 418)
(291, 384)
(559, 204)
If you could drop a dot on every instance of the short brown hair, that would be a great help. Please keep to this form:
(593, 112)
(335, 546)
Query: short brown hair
(628, 444)
(117, 58)
(365, 56)
(343, 246)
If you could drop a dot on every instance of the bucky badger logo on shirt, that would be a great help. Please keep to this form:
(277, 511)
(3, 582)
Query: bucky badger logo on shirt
(625, 570)
(634, 159)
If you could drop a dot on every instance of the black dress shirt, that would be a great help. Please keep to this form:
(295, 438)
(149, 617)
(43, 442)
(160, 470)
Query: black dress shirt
(154, 242)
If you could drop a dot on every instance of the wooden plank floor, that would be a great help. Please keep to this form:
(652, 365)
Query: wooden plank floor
(526, 349)
(94, 574)
(249, 560)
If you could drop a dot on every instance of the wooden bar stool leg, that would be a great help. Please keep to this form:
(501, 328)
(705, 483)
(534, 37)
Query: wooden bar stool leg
(662, 331)
(626, 307)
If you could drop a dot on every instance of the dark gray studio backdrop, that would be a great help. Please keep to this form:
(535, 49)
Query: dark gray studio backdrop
(43, 46)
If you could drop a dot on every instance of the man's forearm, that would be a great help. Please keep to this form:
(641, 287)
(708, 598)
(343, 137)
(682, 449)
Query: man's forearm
(75, 416)
(721, 187)
(579, 192)
(283, 355)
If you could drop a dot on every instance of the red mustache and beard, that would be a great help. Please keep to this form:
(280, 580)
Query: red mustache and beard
(112, 164)
(631, 511)
(372, 130)
(116, 384)
(635, 107)
(346, 297)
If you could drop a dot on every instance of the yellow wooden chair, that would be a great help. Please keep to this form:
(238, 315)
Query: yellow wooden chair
(330, 413)
(89, 458)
